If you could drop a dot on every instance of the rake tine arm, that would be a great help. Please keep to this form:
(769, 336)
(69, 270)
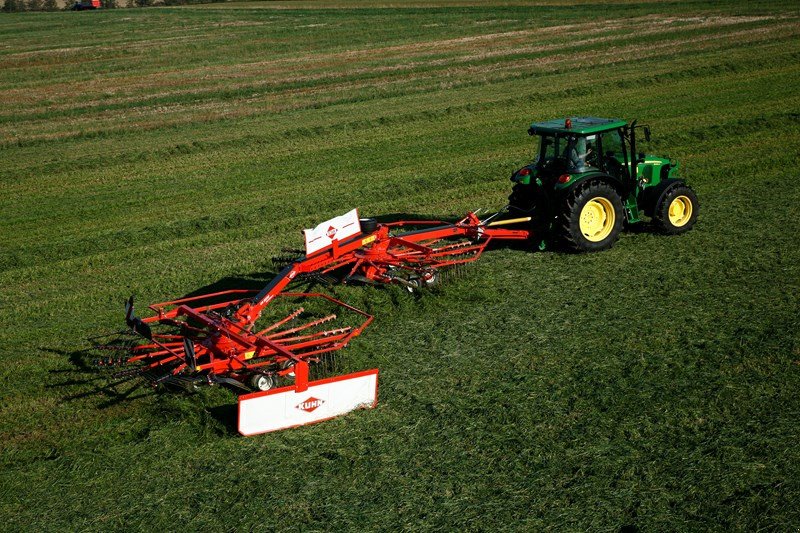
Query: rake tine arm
(167, 336)
(303, 327)
(183, 326)
(289, 318)
(320, 335)
(161, 345)
(355, 268)
(150, 355)
(162, 362)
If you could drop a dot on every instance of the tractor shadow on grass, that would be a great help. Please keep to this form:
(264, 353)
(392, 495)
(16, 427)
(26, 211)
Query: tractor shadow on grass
(254, 281)
(388, 218)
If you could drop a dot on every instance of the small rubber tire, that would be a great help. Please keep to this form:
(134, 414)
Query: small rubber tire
(427, 280)
(598, 198)
(677, 210)
(368, 225)
(261, 382)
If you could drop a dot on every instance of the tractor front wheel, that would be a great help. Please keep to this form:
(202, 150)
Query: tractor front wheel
(677, 211)
(591, 218)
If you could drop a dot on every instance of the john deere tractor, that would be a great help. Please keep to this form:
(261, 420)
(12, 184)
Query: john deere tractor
(587, 179)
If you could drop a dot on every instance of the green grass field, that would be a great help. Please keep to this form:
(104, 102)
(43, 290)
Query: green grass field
(161, 151)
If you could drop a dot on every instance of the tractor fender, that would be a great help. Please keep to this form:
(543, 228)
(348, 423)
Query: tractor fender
(652, 196)
(593, 176)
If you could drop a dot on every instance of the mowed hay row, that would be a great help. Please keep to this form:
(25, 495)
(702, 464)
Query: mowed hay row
(163, 152)
(326, 78)
(265, 168)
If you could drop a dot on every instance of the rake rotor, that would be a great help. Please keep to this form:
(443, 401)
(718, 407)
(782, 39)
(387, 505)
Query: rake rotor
(185, 346)
(249, 339)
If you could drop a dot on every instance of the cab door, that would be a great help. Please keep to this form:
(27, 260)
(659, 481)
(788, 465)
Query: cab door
(615, 156)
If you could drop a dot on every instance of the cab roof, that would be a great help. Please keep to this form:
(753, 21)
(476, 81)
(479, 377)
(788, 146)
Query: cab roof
(580, 125)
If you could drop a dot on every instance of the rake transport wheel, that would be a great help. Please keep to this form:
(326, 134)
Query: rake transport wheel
(261, 382)
(591, 218)
(677, 210)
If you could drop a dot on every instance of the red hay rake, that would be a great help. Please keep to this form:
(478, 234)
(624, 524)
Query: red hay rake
(207, 345)
(219, 338)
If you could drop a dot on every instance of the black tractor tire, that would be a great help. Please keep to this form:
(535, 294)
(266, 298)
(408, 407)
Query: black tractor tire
(677, 210)
(521, 198)
(595, 202)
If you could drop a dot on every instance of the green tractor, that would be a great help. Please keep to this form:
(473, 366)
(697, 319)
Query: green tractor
(587, 179)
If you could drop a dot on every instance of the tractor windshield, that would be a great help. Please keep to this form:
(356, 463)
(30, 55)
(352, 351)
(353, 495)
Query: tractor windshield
(566, 152)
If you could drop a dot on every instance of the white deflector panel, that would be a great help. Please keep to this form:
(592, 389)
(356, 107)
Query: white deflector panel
(284, 408)
(338, 228)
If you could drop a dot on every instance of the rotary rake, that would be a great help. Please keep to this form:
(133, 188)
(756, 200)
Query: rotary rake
(228, 338)
(189, 345)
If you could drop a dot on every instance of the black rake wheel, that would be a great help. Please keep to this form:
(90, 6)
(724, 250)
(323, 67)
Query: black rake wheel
(677, 210)
(591, 217)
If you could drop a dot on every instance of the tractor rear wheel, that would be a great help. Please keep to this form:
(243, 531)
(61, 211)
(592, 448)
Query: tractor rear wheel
(591, 218)
(677, 211)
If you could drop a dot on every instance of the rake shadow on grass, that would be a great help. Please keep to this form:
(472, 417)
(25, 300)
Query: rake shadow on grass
(100, 384)
(226, 414)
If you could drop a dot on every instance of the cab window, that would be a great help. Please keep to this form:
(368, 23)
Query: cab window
(548, 148)
(612, 145)
(581, 153)
(613, 153)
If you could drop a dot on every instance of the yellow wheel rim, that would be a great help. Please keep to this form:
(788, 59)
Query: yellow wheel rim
(597, 219)
(680, 211)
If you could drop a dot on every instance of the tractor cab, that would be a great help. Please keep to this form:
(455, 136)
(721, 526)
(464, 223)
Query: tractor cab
(575, 146)
(580, 153)
(566, 153)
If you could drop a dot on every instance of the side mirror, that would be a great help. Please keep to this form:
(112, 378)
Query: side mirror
(647, 133)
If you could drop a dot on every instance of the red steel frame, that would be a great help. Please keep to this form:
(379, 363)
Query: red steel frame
(221, 336)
